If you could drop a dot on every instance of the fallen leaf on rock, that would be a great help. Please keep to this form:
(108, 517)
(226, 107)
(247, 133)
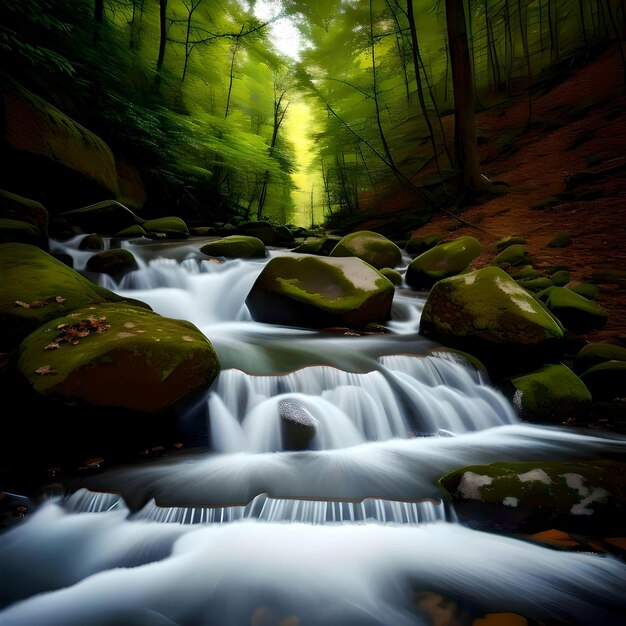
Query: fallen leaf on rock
(60, 299)
(45, 370)
(52, 346)
(24, 305)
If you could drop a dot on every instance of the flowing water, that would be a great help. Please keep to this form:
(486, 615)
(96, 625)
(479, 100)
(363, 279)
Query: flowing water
(352, 530)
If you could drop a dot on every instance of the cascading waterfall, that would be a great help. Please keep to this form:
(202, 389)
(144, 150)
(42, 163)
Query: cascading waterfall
(351, 530)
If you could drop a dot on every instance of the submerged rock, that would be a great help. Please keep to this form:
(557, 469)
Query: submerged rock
(485, 312)
(536, 495)
(318, 292)
(235, 247)
(373, 248)
(442, 261)
(118, 355)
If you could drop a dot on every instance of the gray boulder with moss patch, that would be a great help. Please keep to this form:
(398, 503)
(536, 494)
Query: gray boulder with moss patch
(551, 393)
(487, 309)
(371, 247)
(171, 227)
(36, 288)
(318, 292)
(442, 261)
(132, 358)
(575, 312)
(235, 247)
(536, 495)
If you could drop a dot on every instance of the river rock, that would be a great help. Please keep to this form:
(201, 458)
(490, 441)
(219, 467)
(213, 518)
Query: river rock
(420, 243)
(510, 240)
(442, 261)
(113, 262)
(235, 247)
(512, 255)
(373, 248)
(533, 496)
(298, 426)
(136, 230)
(552, 393)
(595, 353)
(37, 288)
(17, 231)
(106, 218)
(269, 234)
(322, 246)
(607, 380)
(118, 355)
(172, 227)
(317, 292)
(20, 209)
(488, 314)
(91, 242)
(393, 275)
(575, 312)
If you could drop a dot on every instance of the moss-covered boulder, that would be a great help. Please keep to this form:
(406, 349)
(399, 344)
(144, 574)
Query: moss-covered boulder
(515, 254)
(575, 312)
(606, 381)
(586, 290)
(373, 248)
(269, 234)
(47, 153)
(595, 353)
(132, 191)
(536, 284)
(511, 240)
(118, 355)
(172, 227)
(524, 272)
(106, 218)
(91, 242)
(560, 278)
(236, 247)
(113, 262)
(322, 246)
(393, 275)
(442, 261)
(552, 393)
(560, 240)
(486, 311)
(420, 243)
(538, 495)
(15, 207)
(319, 292)
(37, 288)
(17, 231)
(136, 230)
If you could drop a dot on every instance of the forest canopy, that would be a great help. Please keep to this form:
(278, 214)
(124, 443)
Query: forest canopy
(202, 97)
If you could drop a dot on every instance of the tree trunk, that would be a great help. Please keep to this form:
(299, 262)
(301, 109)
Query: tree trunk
(162, 40)
(466, 150)
(523, 25)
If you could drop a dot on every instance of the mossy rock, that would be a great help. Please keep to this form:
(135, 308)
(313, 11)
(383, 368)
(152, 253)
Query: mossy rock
(236, 247)
(419, 244)
(552, 393)
(15, 207)
(607, 380)
(575, 312)
(285, 235)
(48, 287)
(442, 261)
(128, 357)
(371, 247)
(536, 284)
(595, 353)
(525, 272)
(586, 290)
(512, 255)
(262, 230)
(537, 494)
(560, 278)
(172, 227)
(136, 230)
(113, 262)
(505, 242)
(318, 292)
(91, 242)
(393, 275)
(486, 312)
(106, 218)
(321, 246)
(560, 240)
(17, 231)
(458, 356)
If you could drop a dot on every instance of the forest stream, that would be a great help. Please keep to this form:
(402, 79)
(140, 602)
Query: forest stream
(352, 531)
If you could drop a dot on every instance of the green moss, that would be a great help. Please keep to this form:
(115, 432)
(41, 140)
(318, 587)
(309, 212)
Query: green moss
(172, 226)
(596, 353)
(107, 217)
(515, 254)
(446, 259)
(526, 272)
(560, 278)
(393, 275)
(574, 311)
(505, 242)
(112, 262)
(537, 284)
(586, 290)
(139, 360)
(606, 380)
(136, 230)
(560, 240)
(371, 247)
(552, 392)
(16, 231)
(235, 247)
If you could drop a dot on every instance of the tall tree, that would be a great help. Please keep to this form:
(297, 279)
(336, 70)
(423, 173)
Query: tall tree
(466, 157)
(162, 39)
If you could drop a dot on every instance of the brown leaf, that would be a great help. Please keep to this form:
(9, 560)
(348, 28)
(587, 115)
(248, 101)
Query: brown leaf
(60, 299)
(52, 346)
(24, 305)
(45, 370)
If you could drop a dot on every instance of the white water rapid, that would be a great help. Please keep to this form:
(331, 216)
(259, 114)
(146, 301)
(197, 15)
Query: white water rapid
(351, 531)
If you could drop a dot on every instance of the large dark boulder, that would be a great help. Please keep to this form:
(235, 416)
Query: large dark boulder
(24, 210)
(105, 218)
(319, 292)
